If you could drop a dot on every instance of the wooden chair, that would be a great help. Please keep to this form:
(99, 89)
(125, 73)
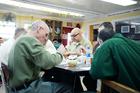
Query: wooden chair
(5, 77)
(120, 88)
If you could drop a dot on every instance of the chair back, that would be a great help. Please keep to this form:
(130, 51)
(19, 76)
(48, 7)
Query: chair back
(5, 76)
(107, 85)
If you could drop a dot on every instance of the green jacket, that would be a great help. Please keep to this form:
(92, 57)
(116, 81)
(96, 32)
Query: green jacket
(118, 59)
(27, 58)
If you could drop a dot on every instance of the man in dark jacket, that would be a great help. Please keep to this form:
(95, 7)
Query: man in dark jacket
(117, 59)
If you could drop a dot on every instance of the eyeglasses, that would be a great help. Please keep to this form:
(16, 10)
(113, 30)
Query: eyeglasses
(74, 35)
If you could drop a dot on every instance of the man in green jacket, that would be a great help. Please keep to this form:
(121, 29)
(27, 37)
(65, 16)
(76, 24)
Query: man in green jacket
(27, 57)
(118, 59)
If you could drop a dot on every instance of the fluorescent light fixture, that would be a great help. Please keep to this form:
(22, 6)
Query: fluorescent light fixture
(121, 2)
(38, 7)
(72, 1)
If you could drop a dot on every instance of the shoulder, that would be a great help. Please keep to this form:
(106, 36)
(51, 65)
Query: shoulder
(113, 42)
(26, 41)
(26, 38)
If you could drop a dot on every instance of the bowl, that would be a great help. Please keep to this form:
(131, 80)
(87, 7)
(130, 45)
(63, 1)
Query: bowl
(72, 63)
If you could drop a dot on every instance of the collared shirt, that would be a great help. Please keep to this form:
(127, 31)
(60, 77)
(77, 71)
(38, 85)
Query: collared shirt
(119, 59)
(27, 58)
(50, 47)
(76, 47)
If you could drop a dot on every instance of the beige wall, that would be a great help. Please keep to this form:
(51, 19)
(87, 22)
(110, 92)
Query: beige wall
(86, 25)
(21, 20)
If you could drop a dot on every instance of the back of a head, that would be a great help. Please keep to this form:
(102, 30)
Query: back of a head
(107, 25)
(106, 34)
(19, 31)
(107, 31)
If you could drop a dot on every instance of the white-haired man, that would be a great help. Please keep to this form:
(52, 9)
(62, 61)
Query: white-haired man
(28, 57)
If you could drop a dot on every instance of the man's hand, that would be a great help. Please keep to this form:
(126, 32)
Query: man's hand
(66, 54)
(83, 49)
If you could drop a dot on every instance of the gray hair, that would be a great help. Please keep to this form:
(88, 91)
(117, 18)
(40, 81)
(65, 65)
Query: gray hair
(19, 31)
(37, 24)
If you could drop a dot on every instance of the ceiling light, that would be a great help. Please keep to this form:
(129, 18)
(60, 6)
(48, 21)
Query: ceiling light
(121, 2)
(72, 1)
(38, 7)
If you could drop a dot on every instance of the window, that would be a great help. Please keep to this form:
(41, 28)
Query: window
(125, 29)
(7, 29)
(27, 26)
(137, 29)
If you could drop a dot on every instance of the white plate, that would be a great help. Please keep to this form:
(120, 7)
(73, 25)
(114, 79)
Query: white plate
(72, 57)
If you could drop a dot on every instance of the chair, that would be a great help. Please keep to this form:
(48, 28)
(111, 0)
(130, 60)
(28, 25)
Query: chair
(5, 77)
(107, 85)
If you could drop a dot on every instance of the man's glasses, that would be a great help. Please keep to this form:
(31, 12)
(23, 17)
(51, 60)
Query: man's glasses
(74, 35)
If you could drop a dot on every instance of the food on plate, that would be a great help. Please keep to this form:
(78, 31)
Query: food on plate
(72, 63)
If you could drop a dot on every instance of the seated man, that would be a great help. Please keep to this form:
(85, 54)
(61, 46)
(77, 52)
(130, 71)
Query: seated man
(79, 43)
(88, 81)
(7, 45)
(27, 57)
(117, 59)
(69, 78)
